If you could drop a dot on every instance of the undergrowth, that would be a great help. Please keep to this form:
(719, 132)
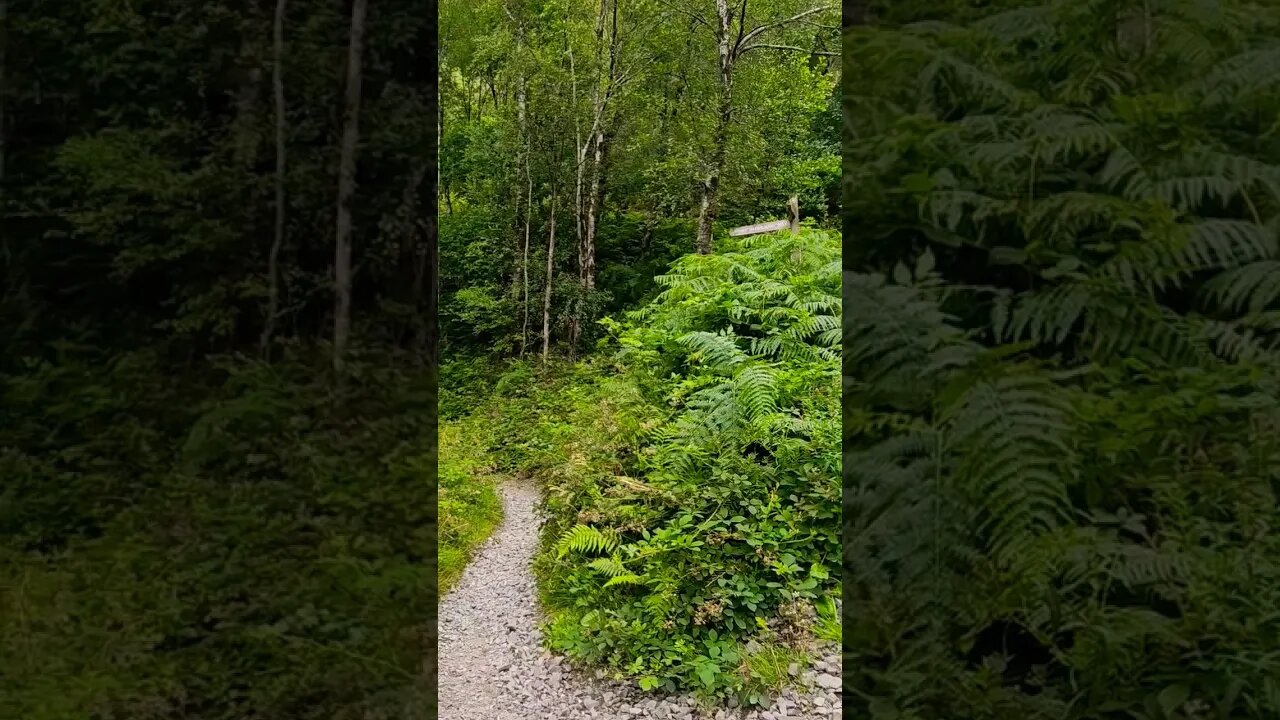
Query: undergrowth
(1061, 377)
(234, 541)
(692, 474)
(469, 505)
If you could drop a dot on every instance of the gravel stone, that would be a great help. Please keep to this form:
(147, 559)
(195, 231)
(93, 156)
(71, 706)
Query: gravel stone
(829, 681)
(493, 666)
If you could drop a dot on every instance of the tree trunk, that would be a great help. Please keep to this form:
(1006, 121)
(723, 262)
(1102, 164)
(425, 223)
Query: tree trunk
(346, 190)
(580, 153)
(709, 205)
(524, 263)
(546, 292)
(273, 273)
(4, 133)
(522, 120)
(595, 199)
(596, 139)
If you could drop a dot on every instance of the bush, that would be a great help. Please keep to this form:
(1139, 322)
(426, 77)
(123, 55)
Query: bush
(693, 488)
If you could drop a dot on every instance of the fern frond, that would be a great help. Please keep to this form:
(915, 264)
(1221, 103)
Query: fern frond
(717, 349)
(1252, 287)
(586, 539)
(609, 566)
(627, 579)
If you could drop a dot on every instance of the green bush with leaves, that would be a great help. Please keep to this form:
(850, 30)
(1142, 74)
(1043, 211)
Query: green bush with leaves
(705, 516)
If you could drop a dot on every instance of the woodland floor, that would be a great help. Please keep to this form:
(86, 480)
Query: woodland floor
(493, 666)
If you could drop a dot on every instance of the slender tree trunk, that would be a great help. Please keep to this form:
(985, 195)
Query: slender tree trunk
(522, 119)
(709, 204)
(546, 292)
(524, 263)
(580, 153)
(606, 74)
(346, 189)
(594, 201)
(580, 159)
(273, 272)
(4, 133)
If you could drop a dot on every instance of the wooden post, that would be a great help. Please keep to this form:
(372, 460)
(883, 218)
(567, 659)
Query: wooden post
(792, 222)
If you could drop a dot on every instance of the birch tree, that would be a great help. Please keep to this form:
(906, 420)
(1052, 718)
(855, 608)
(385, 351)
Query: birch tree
(728, 27)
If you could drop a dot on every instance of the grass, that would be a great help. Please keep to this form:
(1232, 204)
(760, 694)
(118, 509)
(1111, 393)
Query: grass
(828, 626)
(469, 505)
(767, 671)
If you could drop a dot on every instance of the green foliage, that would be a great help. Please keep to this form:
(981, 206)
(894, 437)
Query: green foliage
(658, 116)
(181, 545)
(693, 491)
(1060, 412)
(584, 539)
(468, 503)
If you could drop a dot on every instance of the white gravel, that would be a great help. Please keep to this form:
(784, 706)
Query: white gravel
(492, 665)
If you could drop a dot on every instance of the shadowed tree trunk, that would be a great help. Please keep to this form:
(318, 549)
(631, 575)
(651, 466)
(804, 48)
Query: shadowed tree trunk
(4, 135)
(346, 189)
(606, 83)
(708, 207)
(273, 272)
(524, 262)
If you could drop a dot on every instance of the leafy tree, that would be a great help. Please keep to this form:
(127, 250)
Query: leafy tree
(606, 111)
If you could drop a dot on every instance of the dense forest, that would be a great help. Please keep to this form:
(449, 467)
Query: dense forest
(216, 383)
(672, 391)
(1041, 240)
(1060, 359)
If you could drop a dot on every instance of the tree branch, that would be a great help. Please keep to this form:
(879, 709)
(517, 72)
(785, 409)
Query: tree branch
(768, 26)
(742, 24)
(807, 51)
(691, 15)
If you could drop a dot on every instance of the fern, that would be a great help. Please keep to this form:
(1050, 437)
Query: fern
(608, 565)
(1098, 185)
(586, 539)
(624, 579)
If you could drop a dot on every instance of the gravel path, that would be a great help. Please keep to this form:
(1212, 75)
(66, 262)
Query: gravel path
(493, 667)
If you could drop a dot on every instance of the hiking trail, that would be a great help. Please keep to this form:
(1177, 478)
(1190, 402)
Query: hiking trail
(492, 665)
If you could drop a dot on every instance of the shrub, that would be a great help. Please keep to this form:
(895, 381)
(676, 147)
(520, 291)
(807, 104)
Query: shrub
(698, 491)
